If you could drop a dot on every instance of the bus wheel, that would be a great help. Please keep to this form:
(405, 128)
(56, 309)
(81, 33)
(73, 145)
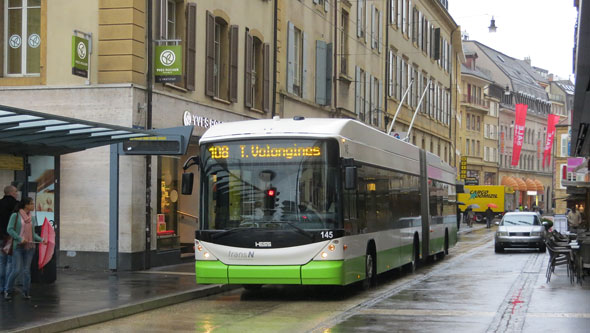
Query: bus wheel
(446, 242)
(251, 287)
(415, 257)
(370, 271)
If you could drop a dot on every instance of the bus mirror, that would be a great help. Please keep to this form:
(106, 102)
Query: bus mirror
(350, 178)
(187, 183)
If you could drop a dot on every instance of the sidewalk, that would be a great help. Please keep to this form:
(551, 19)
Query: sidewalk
(80, 298)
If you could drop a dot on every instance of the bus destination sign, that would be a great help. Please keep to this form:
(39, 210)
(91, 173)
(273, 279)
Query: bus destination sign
(264, 151)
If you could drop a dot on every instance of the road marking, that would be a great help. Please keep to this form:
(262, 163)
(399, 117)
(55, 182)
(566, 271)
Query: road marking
(440, 313)
(166, 273)
(558, 315)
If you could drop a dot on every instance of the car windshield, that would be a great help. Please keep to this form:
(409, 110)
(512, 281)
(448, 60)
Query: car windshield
(278, 184)
(520, 220)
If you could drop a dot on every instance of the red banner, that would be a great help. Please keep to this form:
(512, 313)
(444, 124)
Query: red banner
(551, 122)
(518, 132)
(502, 143)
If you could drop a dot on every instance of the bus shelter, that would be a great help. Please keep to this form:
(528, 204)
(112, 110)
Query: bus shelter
(31, 144)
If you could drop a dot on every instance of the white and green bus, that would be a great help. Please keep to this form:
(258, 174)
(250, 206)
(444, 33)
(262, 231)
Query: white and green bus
(316, 202)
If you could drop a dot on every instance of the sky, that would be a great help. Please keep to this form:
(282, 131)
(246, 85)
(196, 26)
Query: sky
(540, 29)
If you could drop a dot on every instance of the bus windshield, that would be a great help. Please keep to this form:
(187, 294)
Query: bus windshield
(275, 185)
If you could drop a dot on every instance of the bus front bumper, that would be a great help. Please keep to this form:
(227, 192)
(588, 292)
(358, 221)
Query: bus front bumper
(312, 273)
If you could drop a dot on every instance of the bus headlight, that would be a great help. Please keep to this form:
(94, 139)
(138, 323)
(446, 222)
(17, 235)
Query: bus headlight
(206, 255)
(324, 255)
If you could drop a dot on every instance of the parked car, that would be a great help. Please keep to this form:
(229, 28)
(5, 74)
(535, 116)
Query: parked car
(520, 230)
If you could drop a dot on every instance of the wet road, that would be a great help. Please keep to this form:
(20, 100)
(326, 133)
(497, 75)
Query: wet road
(471, 290)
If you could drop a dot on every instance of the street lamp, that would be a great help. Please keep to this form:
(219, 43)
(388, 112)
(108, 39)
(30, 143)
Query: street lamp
(492, 27)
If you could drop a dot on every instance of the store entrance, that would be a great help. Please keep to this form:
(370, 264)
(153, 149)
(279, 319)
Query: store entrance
(177, 217)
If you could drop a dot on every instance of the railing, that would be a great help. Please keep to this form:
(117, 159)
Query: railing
(474, 100)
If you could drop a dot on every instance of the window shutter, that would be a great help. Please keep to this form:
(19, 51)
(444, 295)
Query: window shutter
(399, 78)
(329, 74)
(320, 73)
(233, 63)
(390, 73)
(191, 46)
(410, 20)
(391, 11)
(210, 61)
(163, 19)
(305, 93)
(326, 5)
(373, 26)
(266, 83)
(290, 57)
(316, 1)
(380, 39)
(359, 20)
(400, 8)
(248, 70)
(436, 44)
(380, 103)
(357, 90)
(368, 99)
(367, 23)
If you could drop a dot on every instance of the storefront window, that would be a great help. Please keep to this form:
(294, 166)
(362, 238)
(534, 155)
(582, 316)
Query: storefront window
(168, 192)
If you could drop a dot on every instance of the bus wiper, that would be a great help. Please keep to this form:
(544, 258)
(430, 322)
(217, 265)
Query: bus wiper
(230, 231)
(299, 229)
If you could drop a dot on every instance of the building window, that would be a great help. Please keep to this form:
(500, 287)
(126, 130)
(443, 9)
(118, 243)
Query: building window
(222, 62)
(22, 38)
(564, 151)
(467, 147)
(344, 44)
(360, 18)
(257, 74)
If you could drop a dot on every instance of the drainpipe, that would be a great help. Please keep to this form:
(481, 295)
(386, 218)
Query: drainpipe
(386, 51)
(148, 158)
(335, 50)
(274, 66)
(453, 142)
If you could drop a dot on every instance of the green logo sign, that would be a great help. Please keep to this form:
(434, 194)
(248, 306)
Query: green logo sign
(168, 64)
(80, 56)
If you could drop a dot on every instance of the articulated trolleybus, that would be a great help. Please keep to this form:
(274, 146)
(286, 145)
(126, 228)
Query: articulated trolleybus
(316, 202)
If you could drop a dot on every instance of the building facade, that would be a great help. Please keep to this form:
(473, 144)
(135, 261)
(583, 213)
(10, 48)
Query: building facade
(521, 85)
(240, 60)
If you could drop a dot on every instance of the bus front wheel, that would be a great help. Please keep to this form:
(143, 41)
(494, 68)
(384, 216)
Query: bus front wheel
(370, 271)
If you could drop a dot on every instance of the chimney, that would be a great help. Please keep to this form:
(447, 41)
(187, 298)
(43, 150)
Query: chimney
(527, 60)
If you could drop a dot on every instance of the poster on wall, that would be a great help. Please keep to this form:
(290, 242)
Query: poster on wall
(42, 187)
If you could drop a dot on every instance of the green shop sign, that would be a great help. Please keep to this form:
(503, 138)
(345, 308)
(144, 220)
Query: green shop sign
(80, 56)
(168, 64)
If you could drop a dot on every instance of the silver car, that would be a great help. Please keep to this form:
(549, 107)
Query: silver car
(520, 230)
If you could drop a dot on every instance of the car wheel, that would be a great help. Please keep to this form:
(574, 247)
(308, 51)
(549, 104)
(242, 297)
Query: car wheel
(498, 249)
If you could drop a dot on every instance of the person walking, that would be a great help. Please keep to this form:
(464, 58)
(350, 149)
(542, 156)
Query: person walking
(489, 217)
(7, 205)
(21, 228)
(574, 219)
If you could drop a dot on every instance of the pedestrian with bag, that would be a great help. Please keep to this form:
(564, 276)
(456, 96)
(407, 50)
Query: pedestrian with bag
(7, 205)
(21, 228)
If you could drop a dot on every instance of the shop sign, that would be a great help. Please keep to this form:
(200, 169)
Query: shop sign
(471, 181)
(168, 63)
(531, 192)
(199, 121)
(10, 162)
(80, 56)
(463, 170)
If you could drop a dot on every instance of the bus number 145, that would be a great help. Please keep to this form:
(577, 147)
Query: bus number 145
(327, 234)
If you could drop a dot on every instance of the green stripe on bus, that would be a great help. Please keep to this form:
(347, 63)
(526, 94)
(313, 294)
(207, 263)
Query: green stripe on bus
(211, 272)
(323, 272)
(264, 275)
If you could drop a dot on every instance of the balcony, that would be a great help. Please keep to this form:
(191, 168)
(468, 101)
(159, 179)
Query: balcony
(476, 102)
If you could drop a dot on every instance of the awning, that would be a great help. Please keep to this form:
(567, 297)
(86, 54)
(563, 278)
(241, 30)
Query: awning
(37, 133)
(540, 187)
(509, 181)
(530, 185)
(521, 185)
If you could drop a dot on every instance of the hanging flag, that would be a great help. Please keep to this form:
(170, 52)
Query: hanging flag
(519, 122)
(551, 122)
